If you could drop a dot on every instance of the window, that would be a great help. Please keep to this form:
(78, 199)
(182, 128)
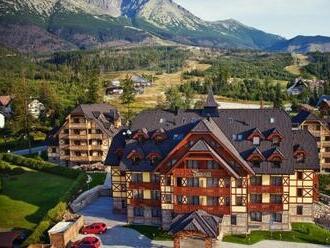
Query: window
(168, 198)
(138, 212)
(138, 194)
(227, 201)
(276, 217)
(256, 198)
(299, 192)
(276, 181)
(212, 182)
(276, 141)
(136, 177)
(193, 200)
(300, 175)
(53, 150)
(193, 182)
(168, 181)
(239, 201)
(239, 183)
(256, 180)
(276, 164)
(256, 216)
(300, 157)
(275, 199)
(155, 194)
(76, 120)
(256, 163)
(179, 199)
(299, 210)
(234, 137)
(227, 182)
(212, 165)
(256, 141)
(192, 164)
(212, 201)
(233, 220)
(155, 178)
(240, 137)
(155, 212)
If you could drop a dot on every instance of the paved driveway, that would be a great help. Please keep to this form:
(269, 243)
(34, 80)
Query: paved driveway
(118, 236)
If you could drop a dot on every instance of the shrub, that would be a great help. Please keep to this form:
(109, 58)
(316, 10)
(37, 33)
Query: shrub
(40, 165)
(17, 171)
(4, 167)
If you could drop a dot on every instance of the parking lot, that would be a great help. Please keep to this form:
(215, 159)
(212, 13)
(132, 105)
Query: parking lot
(116, 235)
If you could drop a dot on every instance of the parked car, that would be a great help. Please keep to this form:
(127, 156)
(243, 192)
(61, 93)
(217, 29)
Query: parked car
(95, 228)
(87, 242)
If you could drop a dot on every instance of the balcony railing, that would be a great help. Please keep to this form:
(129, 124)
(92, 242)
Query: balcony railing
(265, 207)
(180, 172)
(211, 191)
(216, 210)
(265, 189)
(80, 125)
(144, 185)
(145, 202)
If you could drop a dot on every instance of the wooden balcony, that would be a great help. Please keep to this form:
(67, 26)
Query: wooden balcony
(180, 172)
(79, 147)
(216, 210)
(265, 189)
(95, 136)
(265, 207)
(78, 136)
(326, 143)
(144, 185)
(211, 191)
(79, 125)
(325, 154)
(145, 202)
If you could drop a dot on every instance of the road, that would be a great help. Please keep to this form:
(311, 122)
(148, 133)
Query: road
(34, 150)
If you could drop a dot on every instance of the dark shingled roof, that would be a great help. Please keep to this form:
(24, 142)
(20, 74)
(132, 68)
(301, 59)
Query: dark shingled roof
(210, 101)
(228, 127)
(307, 142)
(103, 114)
(198, 221)
(304, 115)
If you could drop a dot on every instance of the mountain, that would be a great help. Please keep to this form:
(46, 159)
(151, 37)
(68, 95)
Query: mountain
(52, 25)
(303, 44)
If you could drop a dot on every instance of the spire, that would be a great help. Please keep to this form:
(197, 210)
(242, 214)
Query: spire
(210, 100)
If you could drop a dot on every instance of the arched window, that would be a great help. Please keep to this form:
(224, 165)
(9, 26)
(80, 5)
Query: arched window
(159, 135)
(141, 135)
(153, 157)
(135, 156)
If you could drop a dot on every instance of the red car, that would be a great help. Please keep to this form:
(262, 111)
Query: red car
(95, 228)
(87, 242)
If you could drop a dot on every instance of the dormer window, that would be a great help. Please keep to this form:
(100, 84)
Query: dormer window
(255, 137)
(255, 158)
(135, 156)
(141, 135)
(276, 158)
(299, 155)
(256, 141)
(153, 157)
(159, 135)
(275, 137)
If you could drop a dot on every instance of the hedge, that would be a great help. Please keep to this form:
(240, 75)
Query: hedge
(55, 214)
(39, 165)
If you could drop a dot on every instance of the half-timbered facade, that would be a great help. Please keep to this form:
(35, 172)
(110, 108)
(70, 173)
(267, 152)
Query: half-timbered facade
(246, 166)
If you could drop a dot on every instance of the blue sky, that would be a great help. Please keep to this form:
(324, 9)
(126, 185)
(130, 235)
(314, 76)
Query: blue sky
(287, 18)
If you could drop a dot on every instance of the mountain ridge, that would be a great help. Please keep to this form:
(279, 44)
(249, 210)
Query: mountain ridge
(84, 24)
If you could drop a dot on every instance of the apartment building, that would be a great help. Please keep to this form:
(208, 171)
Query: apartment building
(232, 170)
(316, 121)
(86, 135)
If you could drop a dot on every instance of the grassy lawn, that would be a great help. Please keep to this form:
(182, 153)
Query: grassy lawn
(152, 232)
(301, 232)
(26, 198)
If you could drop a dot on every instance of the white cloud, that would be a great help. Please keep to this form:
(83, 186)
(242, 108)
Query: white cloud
(285, 17)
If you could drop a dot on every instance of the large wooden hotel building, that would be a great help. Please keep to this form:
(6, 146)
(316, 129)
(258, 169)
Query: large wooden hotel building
(232, 170)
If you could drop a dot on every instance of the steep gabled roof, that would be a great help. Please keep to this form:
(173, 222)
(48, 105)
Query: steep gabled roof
(103, 114)
(198, 221)
(210, 101)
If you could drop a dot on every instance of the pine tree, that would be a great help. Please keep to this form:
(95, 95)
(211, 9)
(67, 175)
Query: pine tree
(173, 98)
(128, 96)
